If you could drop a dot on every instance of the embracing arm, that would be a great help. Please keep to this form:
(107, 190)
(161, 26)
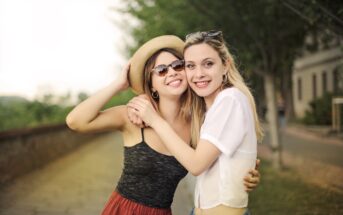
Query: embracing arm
(194, 160)
(88, 117)
(198, 160)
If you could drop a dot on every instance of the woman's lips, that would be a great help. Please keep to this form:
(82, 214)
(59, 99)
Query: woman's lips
(201, 84)
(174, 83)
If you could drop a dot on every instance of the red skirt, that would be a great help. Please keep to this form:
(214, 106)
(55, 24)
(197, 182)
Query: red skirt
(119, 205)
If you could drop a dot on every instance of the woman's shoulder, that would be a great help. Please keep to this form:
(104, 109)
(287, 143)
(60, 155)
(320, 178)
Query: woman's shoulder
(231, 93)
(118, 115)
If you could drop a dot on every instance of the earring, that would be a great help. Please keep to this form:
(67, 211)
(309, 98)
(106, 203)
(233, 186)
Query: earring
(154, 94)
(225, 78)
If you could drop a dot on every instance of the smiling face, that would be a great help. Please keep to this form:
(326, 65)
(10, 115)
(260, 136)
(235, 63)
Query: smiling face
(204, 70)
(174, 83)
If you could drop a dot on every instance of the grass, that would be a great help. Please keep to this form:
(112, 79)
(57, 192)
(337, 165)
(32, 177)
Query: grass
(285, 193)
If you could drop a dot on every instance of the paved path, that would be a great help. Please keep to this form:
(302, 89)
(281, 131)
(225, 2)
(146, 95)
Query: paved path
(76, 184)
(315, 148)
(317, 159)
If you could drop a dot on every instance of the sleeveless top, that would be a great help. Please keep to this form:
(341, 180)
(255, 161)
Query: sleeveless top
(149, 177)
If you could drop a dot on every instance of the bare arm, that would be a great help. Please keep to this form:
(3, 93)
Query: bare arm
(88, 117)
(195, 161)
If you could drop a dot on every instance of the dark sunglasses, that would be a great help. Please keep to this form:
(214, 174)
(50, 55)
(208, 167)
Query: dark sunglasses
(218, 35)
(162, 70)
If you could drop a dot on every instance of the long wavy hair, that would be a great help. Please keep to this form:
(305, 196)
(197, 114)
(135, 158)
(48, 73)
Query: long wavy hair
(233, 79)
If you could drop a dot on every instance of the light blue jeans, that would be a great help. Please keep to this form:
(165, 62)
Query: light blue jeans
(247, 212)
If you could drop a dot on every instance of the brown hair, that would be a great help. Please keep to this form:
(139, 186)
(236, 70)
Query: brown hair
(147, 83)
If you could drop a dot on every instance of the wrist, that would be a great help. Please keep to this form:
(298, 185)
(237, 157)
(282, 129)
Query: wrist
(157, 122)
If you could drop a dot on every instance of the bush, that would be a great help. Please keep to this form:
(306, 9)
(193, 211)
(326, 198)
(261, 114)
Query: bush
(17, 112)
(320, 112)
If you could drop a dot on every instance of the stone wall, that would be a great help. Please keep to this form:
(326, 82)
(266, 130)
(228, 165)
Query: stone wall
(24, 150)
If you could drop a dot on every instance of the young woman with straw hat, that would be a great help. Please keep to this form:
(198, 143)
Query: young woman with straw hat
(150, 174)
(225, 126)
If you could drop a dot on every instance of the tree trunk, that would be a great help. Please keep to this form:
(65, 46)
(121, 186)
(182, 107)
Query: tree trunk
(287, 89)
(272, 117)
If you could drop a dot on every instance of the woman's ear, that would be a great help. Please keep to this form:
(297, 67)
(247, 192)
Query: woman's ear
(227, 66)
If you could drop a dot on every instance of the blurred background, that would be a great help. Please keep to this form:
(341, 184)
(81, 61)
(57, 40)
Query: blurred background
(54, 54)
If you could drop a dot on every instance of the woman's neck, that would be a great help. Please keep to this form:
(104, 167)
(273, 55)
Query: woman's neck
(169, 109)
(209, 100)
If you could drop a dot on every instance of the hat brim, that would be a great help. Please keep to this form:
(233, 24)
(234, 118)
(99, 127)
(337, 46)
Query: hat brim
(140, 57)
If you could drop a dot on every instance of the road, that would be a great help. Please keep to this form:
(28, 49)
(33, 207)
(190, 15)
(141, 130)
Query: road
(311, 148)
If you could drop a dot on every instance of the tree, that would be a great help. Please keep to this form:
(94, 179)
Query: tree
(265, 34)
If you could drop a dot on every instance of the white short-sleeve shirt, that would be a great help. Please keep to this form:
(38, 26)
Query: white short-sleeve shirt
(229, 125)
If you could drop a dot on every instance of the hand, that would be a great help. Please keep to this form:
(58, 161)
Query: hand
(144, 109)
(133, 116)
(253, 178)
(123, 79)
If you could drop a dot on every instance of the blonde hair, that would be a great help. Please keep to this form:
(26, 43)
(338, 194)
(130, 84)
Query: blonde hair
(185, 99)
(234, 79)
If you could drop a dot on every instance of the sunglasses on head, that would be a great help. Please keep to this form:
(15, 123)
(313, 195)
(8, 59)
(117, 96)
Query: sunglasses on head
(162, 70)
(218, 35)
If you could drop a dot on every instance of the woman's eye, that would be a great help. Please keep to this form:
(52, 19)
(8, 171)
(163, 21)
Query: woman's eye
(190, 66)
(208, 64)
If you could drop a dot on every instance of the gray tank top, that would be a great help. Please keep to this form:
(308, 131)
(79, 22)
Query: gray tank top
(149, 177)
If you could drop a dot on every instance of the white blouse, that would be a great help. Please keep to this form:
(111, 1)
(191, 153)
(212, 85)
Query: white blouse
(229, 125)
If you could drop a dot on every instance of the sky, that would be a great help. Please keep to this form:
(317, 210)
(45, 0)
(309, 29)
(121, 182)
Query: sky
(56, 46)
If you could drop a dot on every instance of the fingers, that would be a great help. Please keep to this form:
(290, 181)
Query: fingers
(134, 117)
(144, 96)
(252, 180)
(253, 177)
(140, 101)
(257, 166)
(139, 122)
(250, 186)
(254, 173)
(133, 106)
(136, 104)
(131, 113)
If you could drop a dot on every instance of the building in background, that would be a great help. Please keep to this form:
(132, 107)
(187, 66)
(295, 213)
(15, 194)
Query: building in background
(316, 73)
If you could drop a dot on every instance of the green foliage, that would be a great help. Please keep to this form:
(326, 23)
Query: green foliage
(120, 99)
(22, 113)
(264, 32)
(265, 35)
(320, 111)
(163, 17)
(18, 113)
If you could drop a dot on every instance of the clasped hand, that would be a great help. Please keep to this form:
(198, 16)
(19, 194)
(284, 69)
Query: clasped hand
(141, 112)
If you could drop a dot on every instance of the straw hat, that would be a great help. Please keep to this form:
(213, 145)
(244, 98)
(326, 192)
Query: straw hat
(141, 56)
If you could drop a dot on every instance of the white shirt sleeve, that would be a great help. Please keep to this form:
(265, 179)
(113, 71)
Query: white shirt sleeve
(224, 125)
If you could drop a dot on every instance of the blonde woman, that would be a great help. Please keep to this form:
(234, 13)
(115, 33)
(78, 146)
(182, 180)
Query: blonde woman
(225, 126)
